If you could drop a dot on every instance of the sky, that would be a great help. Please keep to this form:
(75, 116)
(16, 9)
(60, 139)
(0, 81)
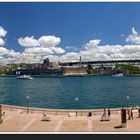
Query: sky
(64, 31)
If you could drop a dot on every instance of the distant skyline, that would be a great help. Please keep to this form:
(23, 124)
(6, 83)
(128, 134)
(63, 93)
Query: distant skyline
(64, 31)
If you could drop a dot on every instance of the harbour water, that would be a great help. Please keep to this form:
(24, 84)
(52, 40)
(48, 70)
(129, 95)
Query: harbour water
(93, 92)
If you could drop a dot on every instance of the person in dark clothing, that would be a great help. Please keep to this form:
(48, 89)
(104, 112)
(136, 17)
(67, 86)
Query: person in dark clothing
(109, 112)
(139, 112)
(131, 114)
(104, 114)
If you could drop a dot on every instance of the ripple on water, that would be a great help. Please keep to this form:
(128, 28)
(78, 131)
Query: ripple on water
(93, 92)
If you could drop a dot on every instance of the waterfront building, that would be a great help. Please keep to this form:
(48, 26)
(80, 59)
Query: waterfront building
(75, 71)
(50, 64)
(36, 71)
(47, 62)
(56, 68)
(46, 68)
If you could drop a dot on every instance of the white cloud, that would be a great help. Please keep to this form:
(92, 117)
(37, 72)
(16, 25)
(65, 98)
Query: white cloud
(3, 51)
(53, 58)
(14, 54)
(2, 32)
(71, 56)
(92, 43)
(58, 50)
(49, 41)
(8, 56)
(71, 48)
(2, 42)
(94, 52)
(38, 51)
(28, 42)
(134, 38)
(43, 41)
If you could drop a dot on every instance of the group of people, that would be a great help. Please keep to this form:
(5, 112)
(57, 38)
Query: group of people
(106, 112)
(106, 115)
(130, 113)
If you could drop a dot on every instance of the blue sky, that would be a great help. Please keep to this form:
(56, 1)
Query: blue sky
(75, 24)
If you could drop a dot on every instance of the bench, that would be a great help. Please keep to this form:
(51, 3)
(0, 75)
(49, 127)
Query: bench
(71, 114)
(46, 118)
(105, 118)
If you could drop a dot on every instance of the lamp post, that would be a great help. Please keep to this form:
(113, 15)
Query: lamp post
(127, 97)
(27, 97)
(76, 101)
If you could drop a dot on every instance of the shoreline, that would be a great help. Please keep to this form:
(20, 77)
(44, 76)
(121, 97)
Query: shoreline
(81, 112)
(73, 75)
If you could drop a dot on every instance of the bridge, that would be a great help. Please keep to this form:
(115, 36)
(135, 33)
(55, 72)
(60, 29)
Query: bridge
(101, 63)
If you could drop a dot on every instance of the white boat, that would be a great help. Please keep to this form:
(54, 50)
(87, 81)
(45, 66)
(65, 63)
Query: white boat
(28, 77)
(118, 75)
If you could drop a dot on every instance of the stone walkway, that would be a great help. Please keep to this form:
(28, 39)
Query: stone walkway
(57, 128)
(15, 121)
(90, 127)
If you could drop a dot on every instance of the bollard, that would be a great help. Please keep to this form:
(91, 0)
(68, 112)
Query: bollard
(123, 118)
(89, 114)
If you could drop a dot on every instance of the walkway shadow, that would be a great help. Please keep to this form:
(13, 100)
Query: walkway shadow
(117, 127)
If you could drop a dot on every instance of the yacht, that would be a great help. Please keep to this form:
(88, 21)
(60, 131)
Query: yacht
(28, 77)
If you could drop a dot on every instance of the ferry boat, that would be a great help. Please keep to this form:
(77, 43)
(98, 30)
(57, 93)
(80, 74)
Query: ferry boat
(28, 77)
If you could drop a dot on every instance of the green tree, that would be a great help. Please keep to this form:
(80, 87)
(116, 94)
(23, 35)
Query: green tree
(132, 69)
(90, 70)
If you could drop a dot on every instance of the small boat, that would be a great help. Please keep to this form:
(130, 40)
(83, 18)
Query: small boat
(118, 75)
(28, 77)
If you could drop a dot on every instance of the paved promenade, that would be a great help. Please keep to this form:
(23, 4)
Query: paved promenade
(18, 120)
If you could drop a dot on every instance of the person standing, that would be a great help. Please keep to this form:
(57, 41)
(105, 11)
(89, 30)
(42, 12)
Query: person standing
(131, 114)
(104, 114)
(109, 112)
(139, 112)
